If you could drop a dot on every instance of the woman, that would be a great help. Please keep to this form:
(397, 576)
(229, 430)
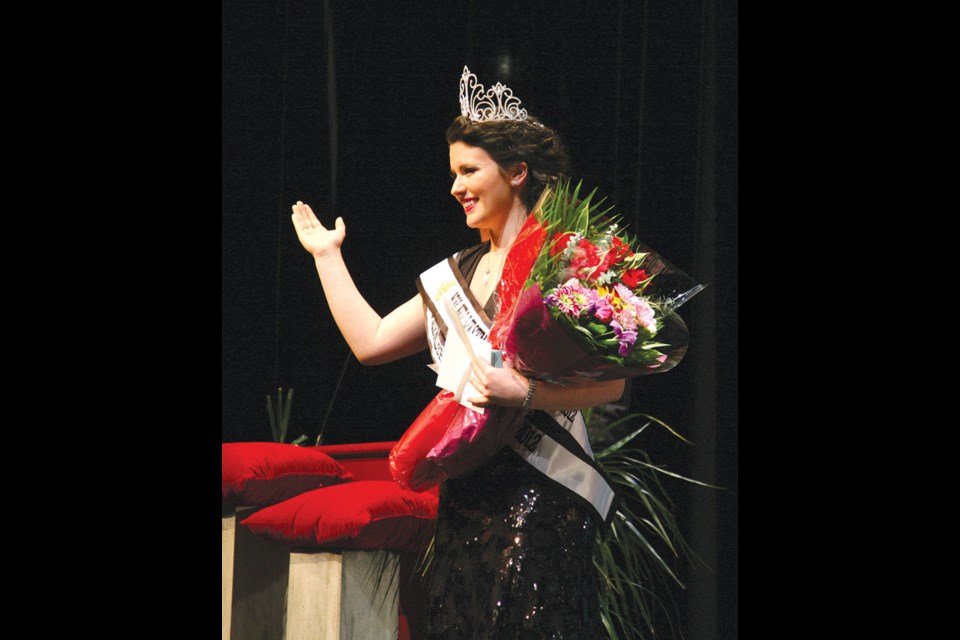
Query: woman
(513, 549)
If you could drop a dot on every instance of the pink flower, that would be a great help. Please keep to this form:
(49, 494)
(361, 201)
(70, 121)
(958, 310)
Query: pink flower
(604, 310)
(645, 315)
(572, 298)
(638, 312)
(625, 293)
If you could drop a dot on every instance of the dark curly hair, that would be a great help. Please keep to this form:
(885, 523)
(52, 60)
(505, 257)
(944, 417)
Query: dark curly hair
(511, 141)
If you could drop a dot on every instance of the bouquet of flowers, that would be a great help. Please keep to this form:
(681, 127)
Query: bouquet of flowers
(596, 302)
(578, 298)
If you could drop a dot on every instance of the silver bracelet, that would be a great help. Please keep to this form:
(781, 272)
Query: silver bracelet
(529, 399)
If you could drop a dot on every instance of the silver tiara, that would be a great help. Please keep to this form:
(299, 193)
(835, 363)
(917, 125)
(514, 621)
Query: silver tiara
(496, 103)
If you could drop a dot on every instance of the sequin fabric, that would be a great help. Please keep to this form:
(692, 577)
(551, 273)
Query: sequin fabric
(513, 558)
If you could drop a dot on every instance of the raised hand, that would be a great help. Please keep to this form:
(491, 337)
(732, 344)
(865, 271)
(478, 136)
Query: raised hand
(315, 237)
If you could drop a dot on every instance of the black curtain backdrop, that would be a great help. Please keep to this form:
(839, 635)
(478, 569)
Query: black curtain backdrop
(344, 105)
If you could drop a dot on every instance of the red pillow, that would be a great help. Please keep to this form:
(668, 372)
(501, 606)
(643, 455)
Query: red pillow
(264, 473)
(366, 514)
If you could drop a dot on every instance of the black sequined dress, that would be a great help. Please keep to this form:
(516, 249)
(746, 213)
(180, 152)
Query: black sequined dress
(512, 555)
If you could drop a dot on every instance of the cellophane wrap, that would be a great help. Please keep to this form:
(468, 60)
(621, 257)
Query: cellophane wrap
(449, 440)
(473, 438)
(595, 303)
(408, 458)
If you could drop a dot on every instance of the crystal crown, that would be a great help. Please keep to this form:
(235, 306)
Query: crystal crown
(495, 103)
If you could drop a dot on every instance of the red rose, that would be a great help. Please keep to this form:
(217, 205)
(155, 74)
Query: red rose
(632, 277)
(586, 260)
(617, 252)
(620, 250)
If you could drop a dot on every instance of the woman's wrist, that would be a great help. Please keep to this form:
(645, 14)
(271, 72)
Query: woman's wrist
(327, 256)
(528, 399)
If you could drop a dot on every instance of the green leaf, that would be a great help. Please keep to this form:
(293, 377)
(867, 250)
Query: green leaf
(273, 419)
(285, 412)
(598, 329)
(616, 446)
(583, 330)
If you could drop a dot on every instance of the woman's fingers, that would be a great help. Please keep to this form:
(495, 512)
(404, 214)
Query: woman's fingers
(480, 370)
(479, 401)
(478, 379)
(299, 216)
(305, 218)
(308, 212)
(478, 385)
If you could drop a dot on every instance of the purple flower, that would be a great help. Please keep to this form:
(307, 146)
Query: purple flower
(626, 337)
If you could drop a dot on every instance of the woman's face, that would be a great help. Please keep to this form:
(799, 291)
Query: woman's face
(480, 186)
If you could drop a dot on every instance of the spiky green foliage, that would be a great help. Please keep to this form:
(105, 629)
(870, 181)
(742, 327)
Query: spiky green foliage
(381, 564)
(635, 559)
(280, 415)
(559, 209)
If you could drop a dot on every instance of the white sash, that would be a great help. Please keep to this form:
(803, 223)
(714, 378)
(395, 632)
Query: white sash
(444, 280)
(567, 462)
(554, 443)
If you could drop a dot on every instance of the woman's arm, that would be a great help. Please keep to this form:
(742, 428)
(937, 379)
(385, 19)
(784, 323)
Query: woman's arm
(373, 340)
(506, 387)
